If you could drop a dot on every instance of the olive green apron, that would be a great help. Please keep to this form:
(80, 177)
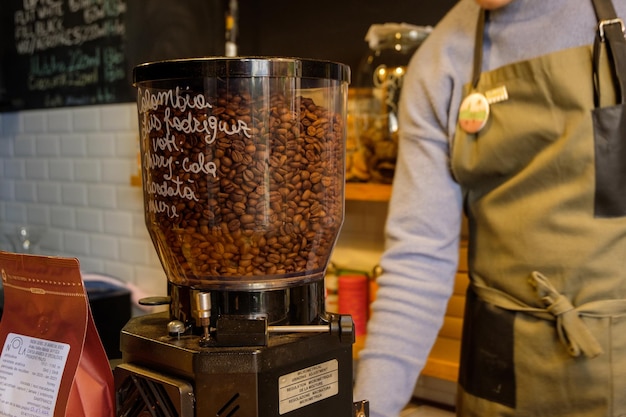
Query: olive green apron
(545, 322)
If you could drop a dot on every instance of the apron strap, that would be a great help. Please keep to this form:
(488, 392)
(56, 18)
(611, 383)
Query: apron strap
(478, 47)
(610, 31)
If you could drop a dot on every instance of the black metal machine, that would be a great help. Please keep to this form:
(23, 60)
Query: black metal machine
(243, 178)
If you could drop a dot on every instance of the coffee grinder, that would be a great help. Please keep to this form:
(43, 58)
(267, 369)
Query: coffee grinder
(243, 181)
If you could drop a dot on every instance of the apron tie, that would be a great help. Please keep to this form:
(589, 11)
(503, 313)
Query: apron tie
(572, 331)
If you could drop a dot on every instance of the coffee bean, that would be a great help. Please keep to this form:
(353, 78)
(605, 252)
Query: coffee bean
(261, 195)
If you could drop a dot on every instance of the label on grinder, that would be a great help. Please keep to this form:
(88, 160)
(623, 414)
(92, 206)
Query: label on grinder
(307, 386)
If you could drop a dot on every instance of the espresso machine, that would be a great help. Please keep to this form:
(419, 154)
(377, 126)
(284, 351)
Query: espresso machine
(243, 181)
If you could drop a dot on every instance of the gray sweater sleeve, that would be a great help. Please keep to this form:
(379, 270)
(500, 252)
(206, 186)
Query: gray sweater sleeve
(422, 230)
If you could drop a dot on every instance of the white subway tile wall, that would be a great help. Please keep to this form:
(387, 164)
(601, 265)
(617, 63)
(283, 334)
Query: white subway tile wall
(69, 170)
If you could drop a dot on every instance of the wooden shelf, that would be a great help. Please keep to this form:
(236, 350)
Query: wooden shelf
(365, 191)
(135, 180)
(443, 361)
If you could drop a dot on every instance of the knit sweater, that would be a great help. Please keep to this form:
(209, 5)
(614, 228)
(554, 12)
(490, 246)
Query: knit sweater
(423, 227)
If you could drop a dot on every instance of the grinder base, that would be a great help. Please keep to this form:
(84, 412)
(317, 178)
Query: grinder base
(302, 374)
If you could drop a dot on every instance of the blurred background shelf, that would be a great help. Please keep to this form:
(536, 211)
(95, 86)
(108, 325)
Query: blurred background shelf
(364, 191)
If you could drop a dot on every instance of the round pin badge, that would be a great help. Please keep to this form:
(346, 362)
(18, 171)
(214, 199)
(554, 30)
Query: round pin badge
(474, 113)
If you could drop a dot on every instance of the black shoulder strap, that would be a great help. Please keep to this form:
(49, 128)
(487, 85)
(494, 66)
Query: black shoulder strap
(611, 32)
(478, 47)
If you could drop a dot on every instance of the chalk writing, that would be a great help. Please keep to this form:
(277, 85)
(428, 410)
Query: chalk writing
(200, 166)
(72, 52)
(167, 119)
(211, 126)
(176, 99)
(165, 189)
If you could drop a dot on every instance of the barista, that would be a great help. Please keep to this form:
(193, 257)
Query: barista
(499, 117)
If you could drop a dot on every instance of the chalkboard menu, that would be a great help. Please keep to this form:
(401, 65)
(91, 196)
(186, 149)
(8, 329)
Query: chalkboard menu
(56, 53)
(66, 53)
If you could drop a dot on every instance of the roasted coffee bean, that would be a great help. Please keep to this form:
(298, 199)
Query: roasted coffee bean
(259, 193)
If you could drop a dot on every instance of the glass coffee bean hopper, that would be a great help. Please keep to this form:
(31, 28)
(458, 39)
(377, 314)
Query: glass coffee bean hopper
(374, 100)
(243, 171)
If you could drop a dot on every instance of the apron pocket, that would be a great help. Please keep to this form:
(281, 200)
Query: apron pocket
(486, 366)
(610, 154)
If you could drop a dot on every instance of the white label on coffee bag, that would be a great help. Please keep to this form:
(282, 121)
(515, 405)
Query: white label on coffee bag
(308, 385)
(30, 375)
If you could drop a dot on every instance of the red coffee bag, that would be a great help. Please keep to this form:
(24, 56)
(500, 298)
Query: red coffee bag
(52, 361)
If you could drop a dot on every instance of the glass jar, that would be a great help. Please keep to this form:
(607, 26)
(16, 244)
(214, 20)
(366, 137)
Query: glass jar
(243, 168)
(373, 100)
